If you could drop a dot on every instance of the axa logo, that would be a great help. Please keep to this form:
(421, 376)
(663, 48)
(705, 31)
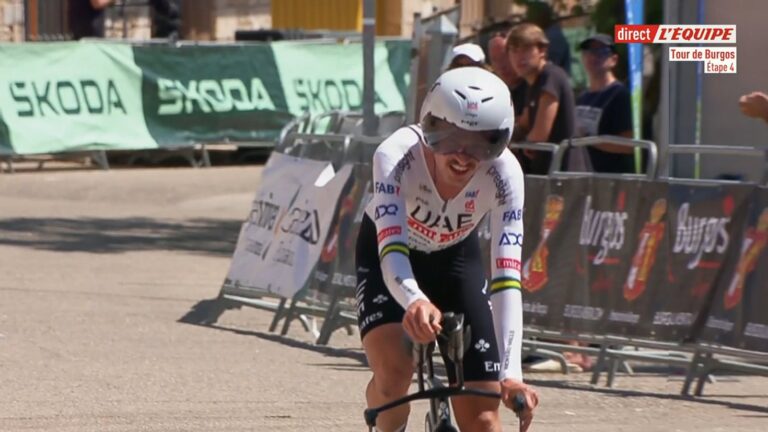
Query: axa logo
(303, 223)
(482, 345)
(699, 235)
(211, 95)
(511, 239)
(385, 210)
(602, 228)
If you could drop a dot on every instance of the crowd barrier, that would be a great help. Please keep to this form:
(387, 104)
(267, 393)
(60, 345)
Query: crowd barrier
(622, 262)
(95, 96)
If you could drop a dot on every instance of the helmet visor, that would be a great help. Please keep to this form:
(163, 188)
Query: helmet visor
(445, 138)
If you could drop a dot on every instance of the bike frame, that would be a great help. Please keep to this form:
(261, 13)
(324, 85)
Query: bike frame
(439, 415)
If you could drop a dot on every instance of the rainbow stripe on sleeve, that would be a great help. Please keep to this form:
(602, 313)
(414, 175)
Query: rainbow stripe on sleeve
(394, 247)
(504, 283)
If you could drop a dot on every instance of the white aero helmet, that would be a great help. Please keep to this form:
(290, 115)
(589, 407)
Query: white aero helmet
(468, 109)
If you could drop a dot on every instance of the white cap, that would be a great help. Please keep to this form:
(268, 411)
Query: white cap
(473, 51)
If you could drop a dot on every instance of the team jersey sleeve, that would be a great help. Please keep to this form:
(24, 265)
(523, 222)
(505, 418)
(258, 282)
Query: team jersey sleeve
(506, 251)
(390, 161)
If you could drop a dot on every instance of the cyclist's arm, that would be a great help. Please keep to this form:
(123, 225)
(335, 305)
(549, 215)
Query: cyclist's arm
(392, 227)
(505, 288)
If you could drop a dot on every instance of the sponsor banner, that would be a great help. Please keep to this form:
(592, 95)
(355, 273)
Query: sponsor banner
(335, 270)
(646, 250)
(70, 96)
(202, 94)
(737, 315)
(324, 77)
(282, 239)
(548, 258)
(605, 221)
(82, 96)
(702, 223)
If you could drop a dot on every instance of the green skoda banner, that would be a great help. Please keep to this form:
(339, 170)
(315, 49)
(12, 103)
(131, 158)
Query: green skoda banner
(75, 96)
(202, 93)
(326, 77)
(70, 96)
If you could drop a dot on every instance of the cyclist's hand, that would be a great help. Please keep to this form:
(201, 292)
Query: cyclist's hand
(422, 321)
(511, 387)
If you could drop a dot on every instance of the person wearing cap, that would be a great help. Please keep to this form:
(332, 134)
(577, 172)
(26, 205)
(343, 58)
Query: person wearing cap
(467, 54)
(549, 109)
(605, 108)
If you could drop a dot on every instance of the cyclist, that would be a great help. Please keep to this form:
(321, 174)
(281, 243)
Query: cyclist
(418, 252)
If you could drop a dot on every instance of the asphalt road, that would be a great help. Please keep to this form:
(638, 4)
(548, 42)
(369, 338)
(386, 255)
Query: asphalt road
(96, 269)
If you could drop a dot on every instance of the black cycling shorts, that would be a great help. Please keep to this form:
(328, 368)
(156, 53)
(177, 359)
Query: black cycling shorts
(453, 279)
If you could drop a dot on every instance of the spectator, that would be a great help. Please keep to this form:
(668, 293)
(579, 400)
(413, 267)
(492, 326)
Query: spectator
(86, 17)
(166, 18)
(755, 105)
(605, 108)
(559, 52)
(499, 61)
(549, 108)
(467, 54)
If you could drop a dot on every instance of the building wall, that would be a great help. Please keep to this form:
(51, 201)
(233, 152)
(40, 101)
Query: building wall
(11, 20)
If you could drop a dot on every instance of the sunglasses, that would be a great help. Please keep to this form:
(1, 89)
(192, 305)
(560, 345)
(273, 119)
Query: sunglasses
(445, 138)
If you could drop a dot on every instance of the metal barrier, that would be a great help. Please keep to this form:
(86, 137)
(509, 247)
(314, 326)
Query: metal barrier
(613, 352)
(717, 150)
(649, 146)
(536, 146)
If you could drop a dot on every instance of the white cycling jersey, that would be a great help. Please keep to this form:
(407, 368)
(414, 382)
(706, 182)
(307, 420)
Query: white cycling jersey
(410, 214)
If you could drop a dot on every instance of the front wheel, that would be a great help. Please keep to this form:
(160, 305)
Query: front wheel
(444, 427)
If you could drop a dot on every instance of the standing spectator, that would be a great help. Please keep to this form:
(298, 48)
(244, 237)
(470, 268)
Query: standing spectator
(559, 53)
(549, 108)
(86, 17)
(605, 108)
(166, 18)
(499, 60)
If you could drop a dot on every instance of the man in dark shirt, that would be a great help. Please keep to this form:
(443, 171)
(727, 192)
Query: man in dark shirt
(86, 17)
(605, 108)
(549, 108)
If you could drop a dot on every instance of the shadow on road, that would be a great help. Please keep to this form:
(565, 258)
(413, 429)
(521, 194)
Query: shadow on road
(207, 312)
(704, 400)
(100, 235)
(328, 351)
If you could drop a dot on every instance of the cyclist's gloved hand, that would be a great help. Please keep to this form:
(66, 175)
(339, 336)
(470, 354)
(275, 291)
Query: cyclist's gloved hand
(511, 387)
(422, 321)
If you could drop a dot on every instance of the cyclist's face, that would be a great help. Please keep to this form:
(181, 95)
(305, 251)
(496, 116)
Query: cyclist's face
(456, 168)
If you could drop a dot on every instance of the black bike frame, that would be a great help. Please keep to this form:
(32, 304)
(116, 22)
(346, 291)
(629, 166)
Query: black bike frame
(438, 393)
